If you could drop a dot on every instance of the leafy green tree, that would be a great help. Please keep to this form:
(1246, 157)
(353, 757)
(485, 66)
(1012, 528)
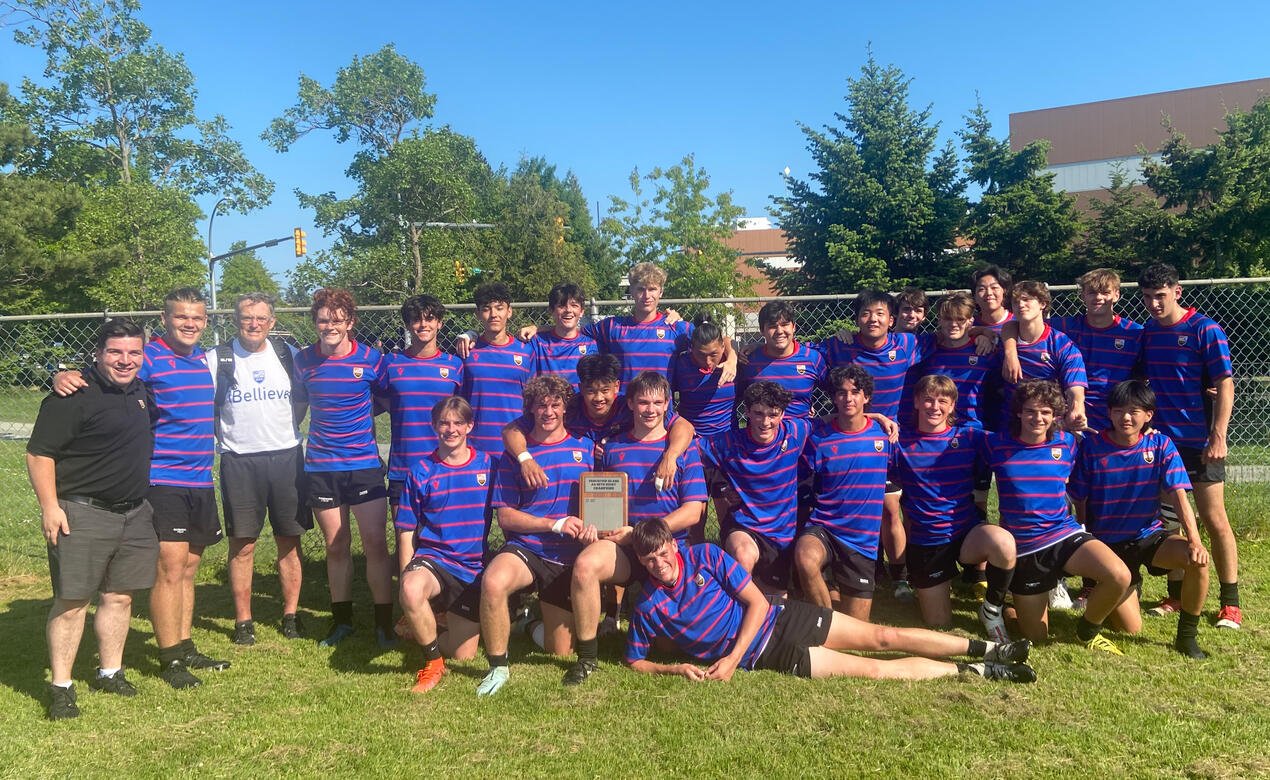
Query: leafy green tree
(1020, 222)
(1220, 194)
(119, 108)
(882, 206)
(1126, 229)
(682, 228)
(243, 273)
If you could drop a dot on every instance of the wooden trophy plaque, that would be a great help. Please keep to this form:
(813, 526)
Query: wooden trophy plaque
(603, 495)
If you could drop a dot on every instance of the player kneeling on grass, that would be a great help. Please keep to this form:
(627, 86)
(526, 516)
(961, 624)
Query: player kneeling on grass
(1033, 463)
(610, 561)
(1119, 478)
(706, 604)
(936, 465)
(543, 531)
(443, 504)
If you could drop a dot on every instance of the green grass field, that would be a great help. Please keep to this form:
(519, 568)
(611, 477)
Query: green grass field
(289, 708)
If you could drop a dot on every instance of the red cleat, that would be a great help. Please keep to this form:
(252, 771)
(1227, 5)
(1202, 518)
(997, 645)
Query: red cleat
(428, 677)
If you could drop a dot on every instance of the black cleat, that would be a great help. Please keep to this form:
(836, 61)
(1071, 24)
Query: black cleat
(1015, 652)
(196, 660)
(244, 633)
(581, 669)
(178, 676)
(1015, 673)
(292, 628)
(115, 683)
(62, 702)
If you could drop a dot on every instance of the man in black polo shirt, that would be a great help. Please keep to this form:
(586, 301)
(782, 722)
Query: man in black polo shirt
(89, 462)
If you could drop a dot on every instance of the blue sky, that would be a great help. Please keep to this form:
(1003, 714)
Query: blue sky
(600, 88)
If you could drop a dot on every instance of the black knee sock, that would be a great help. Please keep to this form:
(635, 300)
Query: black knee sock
(972, 574)
(383, 616)
(1228, 594)
(998, 584)
(342, 612)
(897, 571)
(497, 659)
(1187, 626)
(431, 652)
(1175, 589)
(1086, 630)
(588, 649)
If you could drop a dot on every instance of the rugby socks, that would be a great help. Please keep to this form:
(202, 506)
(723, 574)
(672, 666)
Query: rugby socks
(998, 584)
(342, 612)
(1175, 591)
(1086, 630)
(169, 654)
(1228, 593)
(497, 659)
(1187, 634)
(383, 617)
(431, 651)
(972, 574)
(979, 648)
(589, 649)
(897, 571)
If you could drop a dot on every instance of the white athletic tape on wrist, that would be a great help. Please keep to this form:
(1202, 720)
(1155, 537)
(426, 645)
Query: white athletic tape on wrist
(524, 456)
(559, 525)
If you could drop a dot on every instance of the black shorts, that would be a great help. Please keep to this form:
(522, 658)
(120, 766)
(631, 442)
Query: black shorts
(553, 581)
(1040, 571)
(461, 598)
(716, 481)
(773, 565)
(328, 489)
(183, 514)
(395, 486)
(261, 483)
(105, 552)
(1197, 469)
(799, 627)
(935, 564)
(1137, 553)
(851, 572)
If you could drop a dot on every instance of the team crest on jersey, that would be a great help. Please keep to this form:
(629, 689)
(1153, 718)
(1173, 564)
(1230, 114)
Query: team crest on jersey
(577, 456)
(892, 355)
(1181, 340)
(974, 360)
(834, 447)
(480, 479)
(1045, 357)
(1148, 456)
(1056, 453)
(955, 443)
(357, 372)
(258, 375)
(141, 402)
(801, 368)
(661, 333)
(582, 349)
(784, 444)
(518, 360)
(877, 445)
(401, 370)
(436, 485)
(699, 580)
(1119, 343)
(445, 374)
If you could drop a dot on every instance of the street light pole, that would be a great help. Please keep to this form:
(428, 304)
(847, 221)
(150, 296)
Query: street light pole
(211, 257)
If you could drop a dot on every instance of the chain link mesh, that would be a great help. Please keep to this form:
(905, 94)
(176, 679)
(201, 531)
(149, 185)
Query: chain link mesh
(33, 348)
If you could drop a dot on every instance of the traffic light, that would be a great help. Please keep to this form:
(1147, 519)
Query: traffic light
(458, 270)
(300, 245)
(559, 231)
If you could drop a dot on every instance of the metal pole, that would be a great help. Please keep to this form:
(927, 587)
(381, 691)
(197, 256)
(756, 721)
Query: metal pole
(211, 261)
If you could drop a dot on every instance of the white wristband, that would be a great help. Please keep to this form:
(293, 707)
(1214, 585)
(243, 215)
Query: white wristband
(524, 456)
(559, 525)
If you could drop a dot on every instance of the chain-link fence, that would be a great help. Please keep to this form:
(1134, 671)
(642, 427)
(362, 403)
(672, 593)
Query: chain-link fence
(32, 348)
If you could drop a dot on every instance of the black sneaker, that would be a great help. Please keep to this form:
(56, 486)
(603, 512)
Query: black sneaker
(292, 628)
(1015, 652)
(178, 676)
(115, 683)
(245, 633)
(1015, 673)
(62, 702)
(196, 660)
(581, 669)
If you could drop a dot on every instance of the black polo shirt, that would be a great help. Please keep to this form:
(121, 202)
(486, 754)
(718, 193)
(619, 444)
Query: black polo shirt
(100, 438)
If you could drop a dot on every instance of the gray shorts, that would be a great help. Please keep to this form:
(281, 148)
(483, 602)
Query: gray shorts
(261, 483)
(105, 552)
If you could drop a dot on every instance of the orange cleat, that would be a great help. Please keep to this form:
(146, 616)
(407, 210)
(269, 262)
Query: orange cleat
(428, 677)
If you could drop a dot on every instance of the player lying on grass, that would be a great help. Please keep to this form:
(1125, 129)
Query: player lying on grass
(442, 513)
(1119, 478)
(706, 604)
